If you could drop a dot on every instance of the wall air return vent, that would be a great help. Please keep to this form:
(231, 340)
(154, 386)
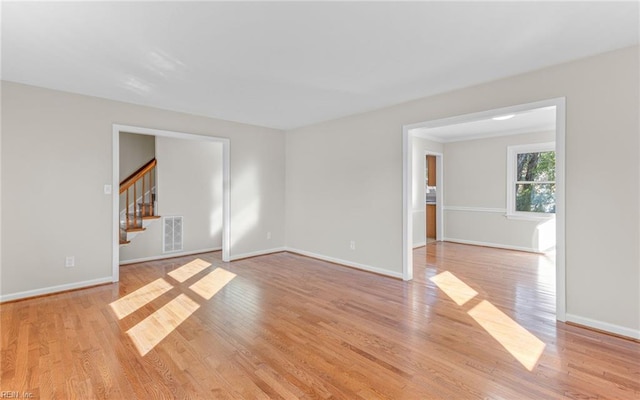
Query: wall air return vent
(172, 234)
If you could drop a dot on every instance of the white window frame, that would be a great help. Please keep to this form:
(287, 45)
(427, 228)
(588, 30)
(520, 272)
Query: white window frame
(512, 156)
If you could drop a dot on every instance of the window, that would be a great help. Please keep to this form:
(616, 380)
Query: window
(531, 180)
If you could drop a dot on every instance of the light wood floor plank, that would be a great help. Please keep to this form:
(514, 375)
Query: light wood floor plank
(284, 326)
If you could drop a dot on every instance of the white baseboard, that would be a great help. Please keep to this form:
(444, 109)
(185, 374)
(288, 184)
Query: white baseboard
(346, 263)
(54, 289)
(416, 245)
(604, 326)
(496, 245)
(256, 253)
(169, 255)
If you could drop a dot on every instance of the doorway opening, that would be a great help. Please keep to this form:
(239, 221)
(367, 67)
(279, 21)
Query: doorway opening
(117, 130)
(463, 148)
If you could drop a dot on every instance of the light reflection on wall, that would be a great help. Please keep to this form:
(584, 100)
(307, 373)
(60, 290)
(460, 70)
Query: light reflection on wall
(546, 235)
(215, 222)
(247, 204)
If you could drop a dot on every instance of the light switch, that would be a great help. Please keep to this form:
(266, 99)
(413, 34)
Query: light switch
(107, 189)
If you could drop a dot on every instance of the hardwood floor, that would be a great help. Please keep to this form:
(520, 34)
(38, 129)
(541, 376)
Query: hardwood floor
(474, 323)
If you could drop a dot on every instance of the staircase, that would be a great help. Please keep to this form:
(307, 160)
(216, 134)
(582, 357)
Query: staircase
(138, 202)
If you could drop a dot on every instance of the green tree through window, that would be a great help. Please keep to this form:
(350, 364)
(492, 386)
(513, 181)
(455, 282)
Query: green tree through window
(535, 182)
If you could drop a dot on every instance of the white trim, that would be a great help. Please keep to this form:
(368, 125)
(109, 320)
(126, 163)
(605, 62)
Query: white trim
(169, 255)
(226, 200)
(115, 204)
(407, 190)
(407, 193)
(561, 274)
(226, 219)
(418, 210)
(258, 253)
(421, 244)
(603, 326)
(529, 217)
(346, 263)
(54, 289)
(494, 245)
(476, 209)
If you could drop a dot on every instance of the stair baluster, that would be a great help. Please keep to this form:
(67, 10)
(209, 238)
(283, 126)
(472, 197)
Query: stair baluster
(134, 221)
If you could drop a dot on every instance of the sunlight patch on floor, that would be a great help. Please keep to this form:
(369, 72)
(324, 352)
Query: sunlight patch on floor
(518, 341)
(145, 295)
(456, 289)
(149, 332)
(189, 269)
(152, 330)
(215, 280)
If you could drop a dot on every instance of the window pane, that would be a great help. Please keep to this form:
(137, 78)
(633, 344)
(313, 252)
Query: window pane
(536, 167)
(536, 197)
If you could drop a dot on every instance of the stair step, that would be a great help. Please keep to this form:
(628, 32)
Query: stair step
(135, 229)
(133, 216)
(123, 242)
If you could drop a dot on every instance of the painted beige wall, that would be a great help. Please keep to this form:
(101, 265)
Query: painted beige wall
(475, 178)
(56, 157)
(189, 185)
(344, 179)
(135, 151)
(343, 184)
(420, 147)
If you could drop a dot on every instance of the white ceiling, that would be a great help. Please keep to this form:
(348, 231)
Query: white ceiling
(290, 64)
(534, 120)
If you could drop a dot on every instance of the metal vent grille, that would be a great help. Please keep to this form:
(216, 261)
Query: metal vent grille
(172, 234)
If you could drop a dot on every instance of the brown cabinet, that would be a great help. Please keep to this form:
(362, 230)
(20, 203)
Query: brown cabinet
(431, 170)
(431, 221)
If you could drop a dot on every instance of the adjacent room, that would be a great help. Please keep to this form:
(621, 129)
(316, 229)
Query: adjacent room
(376, 200)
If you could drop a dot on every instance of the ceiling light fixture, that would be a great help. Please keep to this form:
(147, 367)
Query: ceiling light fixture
(503, 117)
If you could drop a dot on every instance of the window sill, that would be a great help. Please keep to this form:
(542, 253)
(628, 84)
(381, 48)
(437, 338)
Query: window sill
(530, 217)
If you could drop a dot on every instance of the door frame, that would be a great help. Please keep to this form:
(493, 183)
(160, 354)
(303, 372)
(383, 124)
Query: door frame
(226, 224)
(407, 187)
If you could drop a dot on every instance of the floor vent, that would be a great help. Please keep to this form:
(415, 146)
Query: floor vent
(172, 234)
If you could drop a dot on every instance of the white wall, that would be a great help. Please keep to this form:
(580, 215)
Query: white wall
(56, 157)
(475, 194)
(420, 147)
(135, 151)
(344, 180)
(189, 176)
(342, 185)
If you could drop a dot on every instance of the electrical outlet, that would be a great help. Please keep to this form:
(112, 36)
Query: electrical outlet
(268, 235)
(70, 261)
(352, 245)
